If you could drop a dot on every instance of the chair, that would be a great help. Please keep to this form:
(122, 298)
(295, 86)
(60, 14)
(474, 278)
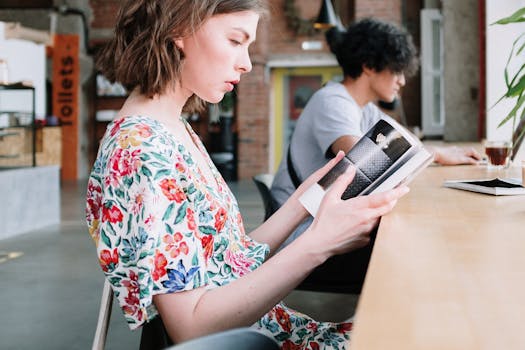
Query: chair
(153, 337)
(104, 314)
(328, 277)
(238, 339)
(264, 183)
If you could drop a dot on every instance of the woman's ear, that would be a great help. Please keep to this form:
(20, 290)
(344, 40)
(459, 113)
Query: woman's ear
(179, 43)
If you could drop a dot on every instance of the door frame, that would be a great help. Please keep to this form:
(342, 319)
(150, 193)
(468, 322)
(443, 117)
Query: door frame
(279, 78)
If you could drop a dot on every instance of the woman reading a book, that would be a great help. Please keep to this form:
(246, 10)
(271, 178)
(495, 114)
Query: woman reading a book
(168, 231)
(375, 58)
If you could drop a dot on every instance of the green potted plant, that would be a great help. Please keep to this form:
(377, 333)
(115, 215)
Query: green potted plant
(515, 81)
(227, 104)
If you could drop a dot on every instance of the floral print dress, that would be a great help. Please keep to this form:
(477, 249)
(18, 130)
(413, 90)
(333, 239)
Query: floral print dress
(159, 227)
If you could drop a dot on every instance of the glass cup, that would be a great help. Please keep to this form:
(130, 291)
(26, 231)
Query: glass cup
(498, 154)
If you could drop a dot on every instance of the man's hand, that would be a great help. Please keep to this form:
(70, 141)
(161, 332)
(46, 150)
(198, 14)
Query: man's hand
(454, 155)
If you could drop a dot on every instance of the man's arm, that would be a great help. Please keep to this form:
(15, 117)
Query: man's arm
(344, 143)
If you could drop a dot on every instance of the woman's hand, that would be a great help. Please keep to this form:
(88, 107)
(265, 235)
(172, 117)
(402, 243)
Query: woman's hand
(316, 176)
(343, 225)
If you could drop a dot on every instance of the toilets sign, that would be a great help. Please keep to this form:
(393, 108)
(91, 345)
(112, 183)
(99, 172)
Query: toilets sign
(65, 99)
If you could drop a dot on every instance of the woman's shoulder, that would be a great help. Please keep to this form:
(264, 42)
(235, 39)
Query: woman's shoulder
(137, 131)
(135, 123)
(134, 135)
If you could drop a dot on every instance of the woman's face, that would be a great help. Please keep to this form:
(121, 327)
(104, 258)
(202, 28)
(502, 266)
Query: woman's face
(217, 54)
(386, 84)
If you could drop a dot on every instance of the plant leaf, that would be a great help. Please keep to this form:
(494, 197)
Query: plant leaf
(516, 76)
(513, 112)
(517, 89)
(516, 17)
(518, 51)
(509, 58)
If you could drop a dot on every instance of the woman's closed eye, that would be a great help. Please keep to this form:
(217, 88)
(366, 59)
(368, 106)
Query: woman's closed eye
(235, 42)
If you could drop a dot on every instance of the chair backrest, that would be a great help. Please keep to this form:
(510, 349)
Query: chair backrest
(238, 339)
(104, 315)
(264, 183)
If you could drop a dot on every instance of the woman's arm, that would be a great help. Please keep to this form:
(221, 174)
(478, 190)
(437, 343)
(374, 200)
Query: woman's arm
(339, 227)
(283, 222)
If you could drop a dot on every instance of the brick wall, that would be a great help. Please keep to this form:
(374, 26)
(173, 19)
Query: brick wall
(104, 12)
(385, 9)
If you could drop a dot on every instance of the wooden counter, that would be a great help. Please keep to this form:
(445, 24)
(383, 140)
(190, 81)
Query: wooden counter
(447, 270)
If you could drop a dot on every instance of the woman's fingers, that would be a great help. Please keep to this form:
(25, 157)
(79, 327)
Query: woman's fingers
(326, 168)
(341, 183)
(376, 200)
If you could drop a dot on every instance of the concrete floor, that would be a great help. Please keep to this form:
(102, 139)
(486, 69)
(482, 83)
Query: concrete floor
(50, 282)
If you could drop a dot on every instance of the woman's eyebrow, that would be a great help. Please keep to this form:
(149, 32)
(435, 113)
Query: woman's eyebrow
(244, 32)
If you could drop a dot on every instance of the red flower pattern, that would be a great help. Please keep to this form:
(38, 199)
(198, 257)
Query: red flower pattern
(132, 284)
(172, 191)
(116, 127)
(288, 345)
(283, 318)
(124, 163)
(108, 261)
(313, 345)
(111, 213)
(160, 265)
(190, 219)
(174, 245)
(207, 245)
(344, 327)
(220, 218)
(239, 262)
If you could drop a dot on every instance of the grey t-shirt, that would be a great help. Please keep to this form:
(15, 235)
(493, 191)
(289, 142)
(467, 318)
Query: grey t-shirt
(330, 113)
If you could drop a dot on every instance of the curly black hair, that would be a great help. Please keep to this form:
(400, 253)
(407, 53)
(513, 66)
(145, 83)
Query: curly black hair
(374, 44)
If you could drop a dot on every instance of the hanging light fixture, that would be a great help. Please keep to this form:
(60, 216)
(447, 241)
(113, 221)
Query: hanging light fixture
(327, 18)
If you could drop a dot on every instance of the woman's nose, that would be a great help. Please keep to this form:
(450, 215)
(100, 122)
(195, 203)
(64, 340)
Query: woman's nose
(244, 64)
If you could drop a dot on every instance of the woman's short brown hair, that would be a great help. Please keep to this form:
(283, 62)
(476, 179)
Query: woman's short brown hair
(142, 52)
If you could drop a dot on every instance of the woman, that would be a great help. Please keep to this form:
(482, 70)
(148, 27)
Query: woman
(168, 231)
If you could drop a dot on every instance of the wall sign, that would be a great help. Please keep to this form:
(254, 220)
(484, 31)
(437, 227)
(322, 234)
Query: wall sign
(65, 99)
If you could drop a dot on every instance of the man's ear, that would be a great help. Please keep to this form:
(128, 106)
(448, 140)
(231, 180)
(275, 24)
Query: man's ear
(368, 71)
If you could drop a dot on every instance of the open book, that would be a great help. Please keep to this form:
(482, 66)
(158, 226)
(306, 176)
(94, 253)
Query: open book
(497, 186)
(385, 157)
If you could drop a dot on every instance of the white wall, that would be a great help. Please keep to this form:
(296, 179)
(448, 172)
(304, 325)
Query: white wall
(499, 39)
(26, 61)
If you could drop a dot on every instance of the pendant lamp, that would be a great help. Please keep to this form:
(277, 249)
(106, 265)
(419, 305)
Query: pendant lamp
(327, 18)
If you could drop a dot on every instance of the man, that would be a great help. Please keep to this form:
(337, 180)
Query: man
(375, 57)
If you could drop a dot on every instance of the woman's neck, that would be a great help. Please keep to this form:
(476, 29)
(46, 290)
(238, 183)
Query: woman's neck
(165, 108)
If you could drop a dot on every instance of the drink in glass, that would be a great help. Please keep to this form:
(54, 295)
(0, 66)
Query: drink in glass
(498, 154)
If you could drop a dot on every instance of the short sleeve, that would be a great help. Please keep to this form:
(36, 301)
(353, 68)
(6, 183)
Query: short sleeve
(336, 116)
(147, 239)
(371, 115)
